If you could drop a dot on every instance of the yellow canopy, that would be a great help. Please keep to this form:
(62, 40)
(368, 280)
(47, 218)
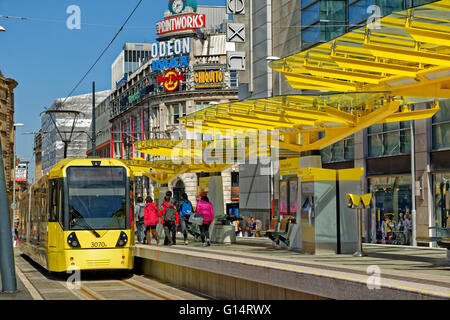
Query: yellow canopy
(406, 54)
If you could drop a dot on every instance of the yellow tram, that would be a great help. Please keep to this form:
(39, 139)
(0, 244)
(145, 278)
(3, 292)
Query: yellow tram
(78, 217)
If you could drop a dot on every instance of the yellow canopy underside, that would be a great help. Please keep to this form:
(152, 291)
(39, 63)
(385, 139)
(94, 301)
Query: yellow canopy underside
(163, 171)
(406, 53)
(379, 70)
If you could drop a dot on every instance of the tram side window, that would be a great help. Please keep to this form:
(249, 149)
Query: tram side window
(54, 199)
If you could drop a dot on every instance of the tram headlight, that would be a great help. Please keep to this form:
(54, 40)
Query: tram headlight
(123, 240)
(72, 240)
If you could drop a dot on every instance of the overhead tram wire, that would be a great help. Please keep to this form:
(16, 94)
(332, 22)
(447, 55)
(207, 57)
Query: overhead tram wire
(103, 52)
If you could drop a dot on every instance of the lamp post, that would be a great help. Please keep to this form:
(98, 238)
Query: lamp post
(14, 206)
(2, 29)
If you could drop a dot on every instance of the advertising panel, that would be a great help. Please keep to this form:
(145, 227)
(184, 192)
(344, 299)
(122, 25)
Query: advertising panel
(208, 79)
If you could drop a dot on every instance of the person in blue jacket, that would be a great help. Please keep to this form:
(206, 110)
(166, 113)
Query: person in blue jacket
(185, 209)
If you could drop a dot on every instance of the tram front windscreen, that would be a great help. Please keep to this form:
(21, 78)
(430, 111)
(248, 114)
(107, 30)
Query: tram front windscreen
(97, 198)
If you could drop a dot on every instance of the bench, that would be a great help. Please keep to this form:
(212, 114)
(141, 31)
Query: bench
(283, 232)
(273, 226)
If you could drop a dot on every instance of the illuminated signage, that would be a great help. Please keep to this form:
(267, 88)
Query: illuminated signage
(171, 48)
(183, 22)
(208, 79)
(134, 97)
(171, 80)
(171, 63)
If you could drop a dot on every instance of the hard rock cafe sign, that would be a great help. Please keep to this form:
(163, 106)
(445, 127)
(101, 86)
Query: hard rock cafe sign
(171, 80)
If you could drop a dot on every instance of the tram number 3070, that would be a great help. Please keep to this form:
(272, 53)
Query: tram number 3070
(98, 245)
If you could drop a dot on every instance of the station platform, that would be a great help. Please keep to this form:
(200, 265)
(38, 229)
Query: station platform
(254, 269)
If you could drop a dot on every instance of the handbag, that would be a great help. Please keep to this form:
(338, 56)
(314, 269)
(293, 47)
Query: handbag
(196, 219)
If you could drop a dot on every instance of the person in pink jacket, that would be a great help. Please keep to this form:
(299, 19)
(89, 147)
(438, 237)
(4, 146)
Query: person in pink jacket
(205, 209)
(151, 220)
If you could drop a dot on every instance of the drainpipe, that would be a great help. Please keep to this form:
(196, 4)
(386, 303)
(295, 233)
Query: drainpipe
(413, 185)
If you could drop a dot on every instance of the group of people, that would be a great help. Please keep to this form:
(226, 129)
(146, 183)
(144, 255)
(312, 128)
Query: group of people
(172, 216)
(246, 228)
(404, 225)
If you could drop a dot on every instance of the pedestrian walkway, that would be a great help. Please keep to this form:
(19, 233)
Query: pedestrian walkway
(22, 292)
(387, 272)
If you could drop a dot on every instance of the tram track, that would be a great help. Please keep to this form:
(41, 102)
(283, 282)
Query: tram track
(44, 285)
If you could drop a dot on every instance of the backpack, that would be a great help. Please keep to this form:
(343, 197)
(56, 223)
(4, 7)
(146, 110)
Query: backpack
(187, 209)
(170, 213)
(140, 211)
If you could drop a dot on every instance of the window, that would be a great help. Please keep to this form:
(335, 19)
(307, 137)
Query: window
(323, 21)
(234, 80)
(441, 127)
(341, 151)
(389, 139)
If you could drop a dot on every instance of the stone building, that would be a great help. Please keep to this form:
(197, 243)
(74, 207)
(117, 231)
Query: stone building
(7, 87)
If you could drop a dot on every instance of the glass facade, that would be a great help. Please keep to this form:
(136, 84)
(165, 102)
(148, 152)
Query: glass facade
(324, 20)
(441, 127)
(441, 189)
(389, 139)
(392, 203)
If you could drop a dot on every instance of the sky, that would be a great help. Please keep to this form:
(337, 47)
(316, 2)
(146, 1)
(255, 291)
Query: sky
(48, 59)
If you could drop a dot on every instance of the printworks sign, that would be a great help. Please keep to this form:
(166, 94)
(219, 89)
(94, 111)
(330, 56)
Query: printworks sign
(208, 79)
(190, 21)
(171, 80)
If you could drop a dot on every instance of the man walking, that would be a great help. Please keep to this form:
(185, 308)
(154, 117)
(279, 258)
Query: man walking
(408, 228)
(170, 220)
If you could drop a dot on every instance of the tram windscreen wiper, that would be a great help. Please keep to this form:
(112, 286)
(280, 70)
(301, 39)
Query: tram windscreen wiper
(80, 218)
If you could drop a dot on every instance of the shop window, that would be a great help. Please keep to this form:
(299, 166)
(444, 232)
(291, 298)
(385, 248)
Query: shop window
(288, 197)
(441, 192)
(441, 127)
(392, 203)
(389, 139)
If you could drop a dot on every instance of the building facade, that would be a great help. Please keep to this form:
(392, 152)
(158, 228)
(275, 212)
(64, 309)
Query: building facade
(67, 120)
(7, 87)
(277, 29)
(186, 71)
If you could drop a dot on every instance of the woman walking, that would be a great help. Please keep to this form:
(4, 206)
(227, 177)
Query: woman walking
(151, 219)
(205, 209)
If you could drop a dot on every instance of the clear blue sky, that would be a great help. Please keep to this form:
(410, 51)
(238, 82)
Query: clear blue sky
(47, 59)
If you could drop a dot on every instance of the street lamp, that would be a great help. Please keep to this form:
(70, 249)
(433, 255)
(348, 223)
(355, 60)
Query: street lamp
(2, 29)
(271, 59)
(16, 125)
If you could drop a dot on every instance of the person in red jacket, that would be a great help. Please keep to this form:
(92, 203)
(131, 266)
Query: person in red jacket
(205, 209)
(170, 220)
(151, 220)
